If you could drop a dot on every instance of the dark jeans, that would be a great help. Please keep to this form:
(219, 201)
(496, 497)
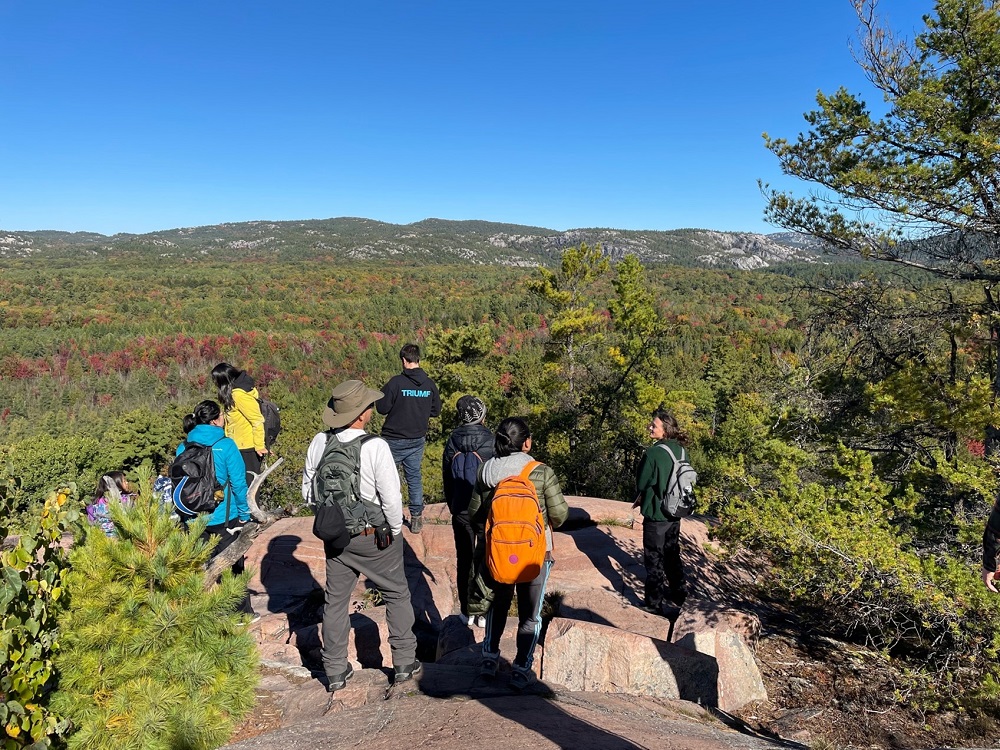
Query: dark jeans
(465, 545)
(409, 452)
(661, 552)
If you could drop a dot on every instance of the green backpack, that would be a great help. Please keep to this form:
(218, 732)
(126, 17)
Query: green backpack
(337, 481)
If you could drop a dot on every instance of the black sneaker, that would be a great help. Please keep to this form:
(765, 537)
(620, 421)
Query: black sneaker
(408, 672)
(339, 681)
(489, 666)
(416, 524)
(520, 677)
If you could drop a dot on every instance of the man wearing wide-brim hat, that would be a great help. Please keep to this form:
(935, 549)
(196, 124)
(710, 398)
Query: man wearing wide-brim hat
(375, 550)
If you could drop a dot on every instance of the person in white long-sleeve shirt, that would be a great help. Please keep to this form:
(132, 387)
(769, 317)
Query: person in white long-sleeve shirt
(375, 552)
(378, 474)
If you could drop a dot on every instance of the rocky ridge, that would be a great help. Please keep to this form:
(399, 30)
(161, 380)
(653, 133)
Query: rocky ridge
(428, 241)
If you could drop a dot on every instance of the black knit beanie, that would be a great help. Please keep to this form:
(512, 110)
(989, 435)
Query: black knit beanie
(471, 410)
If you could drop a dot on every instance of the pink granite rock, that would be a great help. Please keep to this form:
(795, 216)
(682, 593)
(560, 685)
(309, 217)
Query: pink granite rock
(600, 638)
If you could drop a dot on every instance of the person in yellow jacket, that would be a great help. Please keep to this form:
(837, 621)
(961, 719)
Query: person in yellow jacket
(244, 420)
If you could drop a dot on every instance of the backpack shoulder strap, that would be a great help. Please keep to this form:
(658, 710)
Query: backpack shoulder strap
(528, 468)
(671, 453)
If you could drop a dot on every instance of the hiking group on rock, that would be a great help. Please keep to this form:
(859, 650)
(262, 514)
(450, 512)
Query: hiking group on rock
(504, 505)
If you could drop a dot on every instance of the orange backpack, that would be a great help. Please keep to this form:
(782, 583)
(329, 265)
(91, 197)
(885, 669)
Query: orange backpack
(515, 530)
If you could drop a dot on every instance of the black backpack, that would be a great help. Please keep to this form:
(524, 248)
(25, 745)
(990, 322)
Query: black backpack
(196, 488)
(464, 470)
(336, 492)
(272, 421)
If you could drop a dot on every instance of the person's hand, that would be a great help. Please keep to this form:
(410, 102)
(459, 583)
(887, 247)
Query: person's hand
(990, 580)
(383, 536)
(263, 452)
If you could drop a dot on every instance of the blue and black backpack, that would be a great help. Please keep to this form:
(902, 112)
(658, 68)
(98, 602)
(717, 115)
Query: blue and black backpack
(195, 486)
(464, 470)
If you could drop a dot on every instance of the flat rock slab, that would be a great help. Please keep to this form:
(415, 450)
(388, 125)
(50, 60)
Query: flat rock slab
(448, 710)
(598, 578)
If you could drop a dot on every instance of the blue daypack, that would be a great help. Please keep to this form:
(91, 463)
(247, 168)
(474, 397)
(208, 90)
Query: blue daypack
(464, 470)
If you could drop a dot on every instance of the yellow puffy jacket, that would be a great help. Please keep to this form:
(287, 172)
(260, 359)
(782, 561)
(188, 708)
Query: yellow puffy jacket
(244, 422)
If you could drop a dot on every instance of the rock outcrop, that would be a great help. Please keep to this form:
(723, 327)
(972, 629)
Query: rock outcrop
(598, 642)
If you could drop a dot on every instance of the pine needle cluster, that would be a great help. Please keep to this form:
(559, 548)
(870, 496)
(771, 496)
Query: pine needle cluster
(151, 658)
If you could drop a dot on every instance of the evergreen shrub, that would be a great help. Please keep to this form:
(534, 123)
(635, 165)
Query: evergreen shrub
(151, 658)
(840, 553)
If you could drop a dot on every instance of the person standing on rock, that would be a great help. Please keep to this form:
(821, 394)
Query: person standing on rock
(511, 457)
(410, 400)
(205, 426)
(661, 534)
(468, 447)
(375, 552)
(244, 419)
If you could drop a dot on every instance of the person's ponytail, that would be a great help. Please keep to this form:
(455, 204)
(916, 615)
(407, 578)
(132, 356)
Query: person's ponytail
(510, 437)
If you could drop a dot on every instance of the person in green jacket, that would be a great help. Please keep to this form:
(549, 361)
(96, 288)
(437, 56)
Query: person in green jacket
(510, 455)
(661, 534)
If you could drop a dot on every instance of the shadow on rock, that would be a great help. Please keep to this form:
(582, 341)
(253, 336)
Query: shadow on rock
(619, 562)
(559, 727)
(293, 591)
(533, 708)
(427, 622)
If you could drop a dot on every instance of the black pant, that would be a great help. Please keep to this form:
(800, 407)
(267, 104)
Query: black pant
(221, 530)
(252, 461)
(465, 545)
(661, 552)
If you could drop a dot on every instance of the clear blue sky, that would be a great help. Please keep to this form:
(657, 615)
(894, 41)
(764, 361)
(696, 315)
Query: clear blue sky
(138, 116)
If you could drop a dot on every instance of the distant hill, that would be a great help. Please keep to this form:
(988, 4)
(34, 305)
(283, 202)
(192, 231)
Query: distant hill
(427, 241)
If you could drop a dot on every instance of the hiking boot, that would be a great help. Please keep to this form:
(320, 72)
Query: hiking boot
(520, 677)
(408, 672)
(339, 681)
(416, 524)
(489, 666)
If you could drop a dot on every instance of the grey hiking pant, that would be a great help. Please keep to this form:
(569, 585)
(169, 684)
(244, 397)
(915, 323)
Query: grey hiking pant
(384, 568)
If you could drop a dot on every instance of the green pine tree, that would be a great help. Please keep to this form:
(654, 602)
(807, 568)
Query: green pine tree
(151, 657)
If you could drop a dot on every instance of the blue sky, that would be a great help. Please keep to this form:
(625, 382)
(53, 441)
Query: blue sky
(139, 116)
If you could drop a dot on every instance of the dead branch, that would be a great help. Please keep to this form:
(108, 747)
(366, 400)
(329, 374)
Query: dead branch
(236, 550)
(255, 511)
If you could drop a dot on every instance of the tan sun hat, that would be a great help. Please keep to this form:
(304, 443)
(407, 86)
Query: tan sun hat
(347, 402)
